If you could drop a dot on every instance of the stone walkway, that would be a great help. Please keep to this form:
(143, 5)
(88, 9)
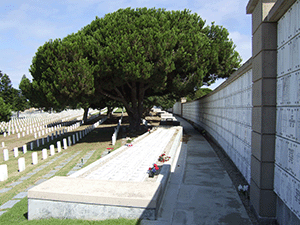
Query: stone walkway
(133, 164)
(199, 189)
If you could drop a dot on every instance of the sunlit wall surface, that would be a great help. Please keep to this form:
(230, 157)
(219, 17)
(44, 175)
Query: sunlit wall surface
(287, 153)
(226, 115)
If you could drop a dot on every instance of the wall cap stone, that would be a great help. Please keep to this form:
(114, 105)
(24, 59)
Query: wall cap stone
(279, 9)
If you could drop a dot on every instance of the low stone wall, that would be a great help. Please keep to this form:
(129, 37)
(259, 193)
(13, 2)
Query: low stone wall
(75, 197)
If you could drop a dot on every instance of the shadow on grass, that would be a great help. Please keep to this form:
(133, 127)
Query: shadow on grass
(99, 134)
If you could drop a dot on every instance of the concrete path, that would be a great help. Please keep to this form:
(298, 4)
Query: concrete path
(199, 190)
(135, 160)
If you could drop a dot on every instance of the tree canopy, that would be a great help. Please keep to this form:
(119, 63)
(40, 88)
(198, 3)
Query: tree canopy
(133, 56)
(11, 98)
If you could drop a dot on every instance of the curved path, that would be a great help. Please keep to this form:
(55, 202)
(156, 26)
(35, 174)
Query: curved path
(199, 190)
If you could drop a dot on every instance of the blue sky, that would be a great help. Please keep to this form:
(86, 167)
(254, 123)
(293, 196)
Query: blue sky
(27, 24)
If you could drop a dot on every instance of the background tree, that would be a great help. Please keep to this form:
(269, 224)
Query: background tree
(12, 98)
(62, 76)
(198, 94)
(153, 52)
(6, 89)
(130, 56)
(5, 112)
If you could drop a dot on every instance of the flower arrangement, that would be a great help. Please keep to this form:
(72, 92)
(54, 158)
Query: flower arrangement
(163, 158)
(109, 150)
(243, 189)
(153, 170)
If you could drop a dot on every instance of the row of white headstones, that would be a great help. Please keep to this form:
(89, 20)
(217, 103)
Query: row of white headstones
(38, 123)
(40, 133)
(66, 142)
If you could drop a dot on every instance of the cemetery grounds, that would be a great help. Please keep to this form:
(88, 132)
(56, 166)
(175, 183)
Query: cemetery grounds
(89, 149)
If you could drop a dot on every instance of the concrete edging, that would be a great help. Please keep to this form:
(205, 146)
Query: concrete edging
(78, 198)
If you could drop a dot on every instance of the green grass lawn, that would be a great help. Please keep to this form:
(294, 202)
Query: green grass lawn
(99, 139)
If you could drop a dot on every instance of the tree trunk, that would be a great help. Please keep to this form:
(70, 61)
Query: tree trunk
(109, 110)
(135, 121)
(85, 115)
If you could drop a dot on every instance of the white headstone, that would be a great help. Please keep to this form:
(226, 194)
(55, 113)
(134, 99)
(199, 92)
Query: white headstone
(3, 172)
(48, 138)
(35, 136)
(38, 142)
(4, 134)
(43, 141)
(65, 143)
(19, 135)
(58, 146)
(52, 136)
(3, 144)
(21, 164)
(23, 134)
(80, 135)
(31, 145)
(34, 158)
(52, 151)
(69, 141)
(77, 137)
(44, 154)
(5, 155)
(16, 152)
(24, 149)
(39, 133)
(74, 139)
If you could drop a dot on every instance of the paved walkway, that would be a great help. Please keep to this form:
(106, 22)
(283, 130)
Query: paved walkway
(135, 159)
(199, 190)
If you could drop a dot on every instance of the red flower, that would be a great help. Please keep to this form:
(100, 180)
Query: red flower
(154, 165)
(150, 168)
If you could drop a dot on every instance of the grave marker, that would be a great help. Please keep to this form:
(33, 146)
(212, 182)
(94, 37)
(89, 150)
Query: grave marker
(52, 151)
(21, 164)
(24, 149)
(5, 155)
(34, 158)
(69, 141)
(58, 146)
(3, 172)
(65, 143)
(16, 152)
(44, 154)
